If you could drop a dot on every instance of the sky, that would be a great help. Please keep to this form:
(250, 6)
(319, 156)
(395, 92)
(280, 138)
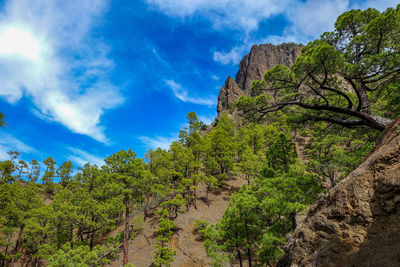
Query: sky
(83, 79)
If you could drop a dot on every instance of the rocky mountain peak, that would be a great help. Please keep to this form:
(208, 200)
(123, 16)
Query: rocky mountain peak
(229, 93)
(252, 67)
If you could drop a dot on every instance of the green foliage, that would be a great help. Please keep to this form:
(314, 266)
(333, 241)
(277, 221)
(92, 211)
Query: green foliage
(174, 205)
(125, 174)
(78, 256)
(334, 152)
(281, 154)
(214, 247)
(49, 175)
(65, 172)
(260, 215)
(270, 248)
(220, 148)
(6, 170)
(200, 227)
(34, 172)
(342, 78)
(163, 255)
(62, 222)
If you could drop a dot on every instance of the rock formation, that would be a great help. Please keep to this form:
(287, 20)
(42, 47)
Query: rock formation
(357, 222)
(252, 67)
(228, 94)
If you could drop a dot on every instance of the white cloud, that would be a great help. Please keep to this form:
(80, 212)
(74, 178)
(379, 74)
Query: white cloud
(380, 5)
(182, 95)
(48, 55)
(207, 119)
(214, 77)
(10, 143)
(307, 19)
(82, 157)
(234, 14)
(313, 17)
(232, 57)
(157, 142)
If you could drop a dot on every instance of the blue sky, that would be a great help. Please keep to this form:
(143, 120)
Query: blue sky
(80, 80)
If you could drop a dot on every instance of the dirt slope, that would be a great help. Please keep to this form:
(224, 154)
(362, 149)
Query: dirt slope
(190, 252)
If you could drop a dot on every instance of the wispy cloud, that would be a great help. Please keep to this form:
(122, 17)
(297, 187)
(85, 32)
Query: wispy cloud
(214, 77)
(10, 143)
(157, 142)
(207, 119)
(313, 17)
(47, 53)
(231, 57)
(183, 95)
(242, 15)
(81, 157)
(307, 20)
(380, 5)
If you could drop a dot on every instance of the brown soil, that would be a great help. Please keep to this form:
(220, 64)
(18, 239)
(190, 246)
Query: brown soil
(190, 251)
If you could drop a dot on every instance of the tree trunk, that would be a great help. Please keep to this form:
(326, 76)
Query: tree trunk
(126, 231)
(16, 247)
(364, 102)
(92, 240)
(332, 178)
(292, 217)
(146, 208)
(239, 257)
(380, 123)
(249, 255)
(207, 190)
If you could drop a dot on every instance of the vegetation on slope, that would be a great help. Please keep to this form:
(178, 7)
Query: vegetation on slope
(340, 80)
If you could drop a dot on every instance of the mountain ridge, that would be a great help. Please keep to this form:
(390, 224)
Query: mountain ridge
(252, 67)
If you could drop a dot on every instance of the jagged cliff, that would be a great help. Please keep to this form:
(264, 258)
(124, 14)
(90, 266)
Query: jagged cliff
(357, 222)
(252, 67)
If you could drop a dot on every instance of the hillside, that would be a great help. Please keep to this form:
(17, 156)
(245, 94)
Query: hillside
(190, 249)
(300, 168)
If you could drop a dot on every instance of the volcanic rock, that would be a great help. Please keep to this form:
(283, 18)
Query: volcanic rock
(252, 67)
(357, 222)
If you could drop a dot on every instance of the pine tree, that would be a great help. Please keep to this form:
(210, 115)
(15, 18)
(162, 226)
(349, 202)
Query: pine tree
(125, 173)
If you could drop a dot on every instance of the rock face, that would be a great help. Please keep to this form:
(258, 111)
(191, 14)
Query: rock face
(252, 67)
(357, 222)
(229, 93)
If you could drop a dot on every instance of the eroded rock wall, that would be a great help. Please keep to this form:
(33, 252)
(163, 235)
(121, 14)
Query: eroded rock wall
(357, 223)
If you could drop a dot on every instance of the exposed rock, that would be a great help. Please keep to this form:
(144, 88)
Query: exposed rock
(262, 58)
(252, 67)
(357, 222)
(229, 93)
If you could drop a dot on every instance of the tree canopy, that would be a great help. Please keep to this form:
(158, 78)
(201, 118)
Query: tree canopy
(346, 77)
